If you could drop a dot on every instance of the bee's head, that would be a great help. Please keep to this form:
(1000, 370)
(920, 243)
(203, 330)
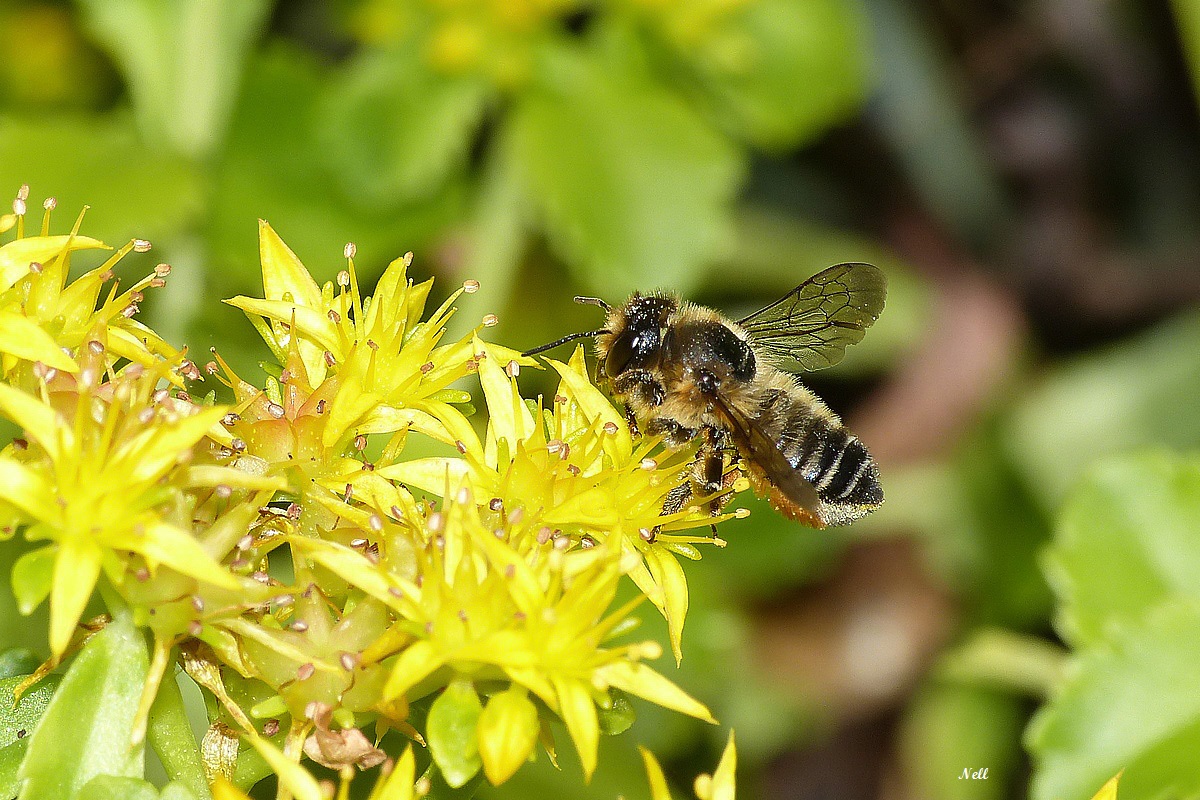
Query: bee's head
(633, 335)
(636, 332)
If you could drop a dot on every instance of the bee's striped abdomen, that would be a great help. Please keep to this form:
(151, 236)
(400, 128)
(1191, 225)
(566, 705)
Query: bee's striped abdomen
(836, 463)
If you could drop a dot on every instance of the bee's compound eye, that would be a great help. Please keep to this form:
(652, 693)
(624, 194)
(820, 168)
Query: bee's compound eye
(632, 349)
(619, 355)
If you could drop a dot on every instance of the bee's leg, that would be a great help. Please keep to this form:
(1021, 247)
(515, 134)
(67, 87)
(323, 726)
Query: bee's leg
(677, 499)
(642, 383)
(631, 421)
(713, 468)
(674, 434)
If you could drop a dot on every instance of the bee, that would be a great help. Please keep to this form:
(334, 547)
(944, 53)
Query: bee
(684, 371)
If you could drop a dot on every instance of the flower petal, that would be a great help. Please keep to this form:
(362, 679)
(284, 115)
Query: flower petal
(75, 574)
(578, 711)
(313, 327)
(398, 785)
(353, 566)
(282, 271)
(153, 451)
(16, 256)
(37, 419)
(508, 732)
(413, 666)
(637, 678)
(295, 777)
(455, 424)
(535, 681)
(592, 402)
(654, 774)
(222, 789)
(434, 475)
(28, 491)
(390, 298)
(669, 575)
(1108, 791)
(724, 785)
(215, 475)
(179, 550)
(283, 274)
(508, 416)
(591, 508)
(24, 338)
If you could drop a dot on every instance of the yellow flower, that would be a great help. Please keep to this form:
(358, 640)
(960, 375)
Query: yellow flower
(351, 366)
(473, 590)
(89, 480)
(487, 597)
(44, 319)
(468, 623)
(513, 578)
(573, 470)
(721, 785)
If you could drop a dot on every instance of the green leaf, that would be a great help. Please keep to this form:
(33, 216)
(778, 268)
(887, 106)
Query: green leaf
(10, 767)
(183, 60)
(633, 186)
(779, 72)
(1133, 704)
(1126, 541)
(18, 661)
(493, 236)
(111, 787)
(101, 161)
(86, 730)
(21, 720)
(170, 734)
(280, 172)
(393, 130)
(1139, 392)
(451, 732)
(16, 631)
(178, 791)
(32, 577)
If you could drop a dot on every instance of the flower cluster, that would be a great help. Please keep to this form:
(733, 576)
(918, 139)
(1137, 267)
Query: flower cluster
(338, 593)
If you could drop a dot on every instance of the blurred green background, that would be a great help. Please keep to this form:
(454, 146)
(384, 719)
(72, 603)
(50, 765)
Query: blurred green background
(1028, 175)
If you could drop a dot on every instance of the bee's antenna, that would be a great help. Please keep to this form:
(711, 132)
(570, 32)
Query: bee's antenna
(569, 338)
(593, 301)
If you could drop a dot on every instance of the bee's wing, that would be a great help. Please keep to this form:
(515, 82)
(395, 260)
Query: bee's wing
(758, 447)
(810, 327)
